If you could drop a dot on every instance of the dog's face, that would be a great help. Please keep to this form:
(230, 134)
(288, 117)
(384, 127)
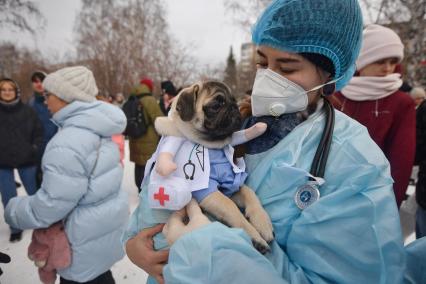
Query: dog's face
(210, 109)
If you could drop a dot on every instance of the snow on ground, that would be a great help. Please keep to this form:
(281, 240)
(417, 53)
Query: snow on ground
(22, 271)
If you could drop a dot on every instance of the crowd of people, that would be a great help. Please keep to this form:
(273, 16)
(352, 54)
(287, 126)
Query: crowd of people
(332, 169)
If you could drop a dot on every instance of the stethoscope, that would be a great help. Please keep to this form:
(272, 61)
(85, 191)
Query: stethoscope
(189, 167)
(308, 193)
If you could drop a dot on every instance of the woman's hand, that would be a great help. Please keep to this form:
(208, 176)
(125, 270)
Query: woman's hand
(176, 227)
(140, 250)
(244, 106)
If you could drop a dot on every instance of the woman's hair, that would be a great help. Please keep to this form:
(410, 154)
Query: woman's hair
(320, 61)
(11, 82)
(38, 75)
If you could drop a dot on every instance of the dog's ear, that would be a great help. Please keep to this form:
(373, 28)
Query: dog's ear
(186, 104)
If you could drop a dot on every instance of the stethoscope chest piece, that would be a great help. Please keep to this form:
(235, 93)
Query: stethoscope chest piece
(306, 195)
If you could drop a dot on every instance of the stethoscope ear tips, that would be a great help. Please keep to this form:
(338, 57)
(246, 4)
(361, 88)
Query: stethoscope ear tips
(328, 89)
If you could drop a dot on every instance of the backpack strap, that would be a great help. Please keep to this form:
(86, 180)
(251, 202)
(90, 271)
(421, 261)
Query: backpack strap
(148, 122)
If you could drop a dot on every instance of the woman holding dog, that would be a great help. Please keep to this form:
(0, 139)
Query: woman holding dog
(335, 220)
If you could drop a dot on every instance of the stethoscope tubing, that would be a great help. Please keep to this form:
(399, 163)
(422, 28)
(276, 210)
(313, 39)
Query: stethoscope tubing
(323, 150)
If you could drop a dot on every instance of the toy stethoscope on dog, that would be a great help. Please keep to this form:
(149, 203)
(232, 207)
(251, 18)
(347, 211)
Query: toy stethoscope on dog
(309, 192)
(189, 167)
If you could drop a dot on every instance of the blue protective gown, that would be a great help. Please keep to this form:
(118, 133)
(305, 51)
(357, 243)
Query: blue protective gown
(350, 235)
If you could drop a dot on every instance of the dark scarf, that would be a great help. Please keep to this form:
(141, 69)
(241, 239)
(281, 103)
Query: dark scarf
(278, 128)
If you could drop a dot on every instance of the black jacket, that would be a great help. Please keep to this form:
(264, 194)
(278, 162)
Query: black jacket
(421, 154)
(21, 135)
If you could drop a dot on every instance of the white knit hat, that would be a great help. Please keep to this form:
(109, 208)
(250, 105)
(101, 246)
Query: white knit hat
(417, 92)
(72, 84)
(378, 43)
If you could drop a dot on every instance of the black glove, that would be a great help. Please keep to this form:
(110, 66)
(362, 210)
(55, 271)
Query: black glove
(4, 258)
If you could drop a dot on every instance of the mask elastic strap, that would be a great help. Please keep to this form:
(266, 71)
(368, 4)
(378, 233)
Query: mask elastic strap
(320, 86)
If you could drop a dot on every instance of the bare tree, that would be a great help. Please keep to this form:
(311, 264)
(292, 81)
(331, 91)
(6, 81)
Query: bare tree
(21, 15)
(230, 75)
(121, 41)
(18, 64)
(245, 12)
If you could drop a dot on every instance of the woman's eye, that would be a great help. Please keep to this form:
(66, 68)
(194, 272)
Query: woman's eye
(287, 71)
(394, 61)
(261, 65)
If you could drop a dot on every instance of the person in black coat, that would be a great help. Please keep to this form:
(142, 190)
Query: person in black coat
(169, 92)
(37, 102)
(421, 162)
(21, 136)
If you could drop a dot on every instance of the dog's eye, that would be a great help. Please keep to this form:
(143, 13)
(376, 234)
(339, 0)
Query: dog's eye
(215, 106)
(220, 100)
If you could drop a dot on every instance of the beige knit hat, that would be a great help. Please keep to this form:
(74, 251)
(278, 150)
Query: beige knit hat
(417, 92)
(378, 43)
(72, 84)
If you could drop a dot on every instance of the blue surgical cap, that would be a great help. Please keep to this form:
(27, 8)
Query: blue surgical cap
(332, 28)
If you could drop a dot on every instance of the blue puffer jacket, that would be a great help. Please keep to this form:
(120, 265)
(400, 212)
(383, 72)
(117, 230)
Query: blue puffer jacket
(85, 192)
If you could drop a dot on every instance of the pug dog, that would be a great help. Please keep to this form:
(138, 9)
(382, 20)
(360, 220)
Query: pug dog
(207, 114)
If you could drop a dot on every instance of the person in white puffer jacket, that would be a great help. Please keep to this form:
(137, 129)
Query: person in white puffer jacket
(82, 178)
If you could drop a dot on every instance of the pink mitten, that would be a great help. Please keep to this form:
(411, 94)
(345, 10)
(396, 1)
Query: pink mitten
(47, 277)
(38, 251)
(50, 250)
(60, 250)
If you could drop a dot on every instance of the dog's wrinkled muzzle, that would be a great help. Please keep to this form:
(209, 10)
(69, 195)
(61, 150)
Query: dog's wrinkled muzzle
(224, 124)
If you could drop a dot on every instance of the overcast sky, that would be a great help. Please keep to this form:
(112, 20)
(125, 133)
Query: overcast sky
(202, 24)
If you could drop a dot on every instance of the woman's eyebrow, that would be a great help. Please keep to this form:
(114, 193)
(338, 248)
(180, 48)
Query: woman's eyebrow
(260, 53)
(288, 60)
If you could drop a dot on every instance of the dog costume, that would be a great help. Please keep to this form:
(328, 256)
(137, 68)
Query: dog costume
(200, 171)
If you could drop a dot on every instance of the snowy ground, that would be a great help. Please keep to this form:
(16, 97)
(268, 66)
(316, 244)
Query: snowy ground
(22, 271)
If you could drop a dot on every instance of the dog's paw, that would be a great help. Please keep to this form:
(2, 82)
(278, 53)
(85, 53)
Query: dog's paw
(261, 246)
(262, 223)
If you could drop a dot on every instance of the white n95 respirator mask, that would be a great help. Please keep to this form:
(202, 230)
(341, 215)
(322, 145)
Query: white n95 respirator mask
(275, 95)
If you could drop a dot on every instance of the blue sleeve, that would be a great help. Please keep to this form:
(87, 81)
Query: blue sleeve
(416, 262)
(218, 254)
(145, 217)
(64, 182)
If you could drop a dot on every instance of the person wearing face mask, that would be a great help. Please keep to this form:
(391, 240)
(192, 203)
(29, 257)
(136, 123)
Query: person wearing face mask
(323, 181)
(21, 138)
(373, 99)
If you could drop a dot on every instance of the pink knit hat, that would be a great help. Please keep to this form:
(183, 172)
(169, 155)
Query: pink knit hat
(378, 43)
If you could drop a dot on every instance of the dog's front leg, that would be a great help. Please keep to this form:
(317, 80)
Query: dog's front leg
(225, 210)
(254, 212)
